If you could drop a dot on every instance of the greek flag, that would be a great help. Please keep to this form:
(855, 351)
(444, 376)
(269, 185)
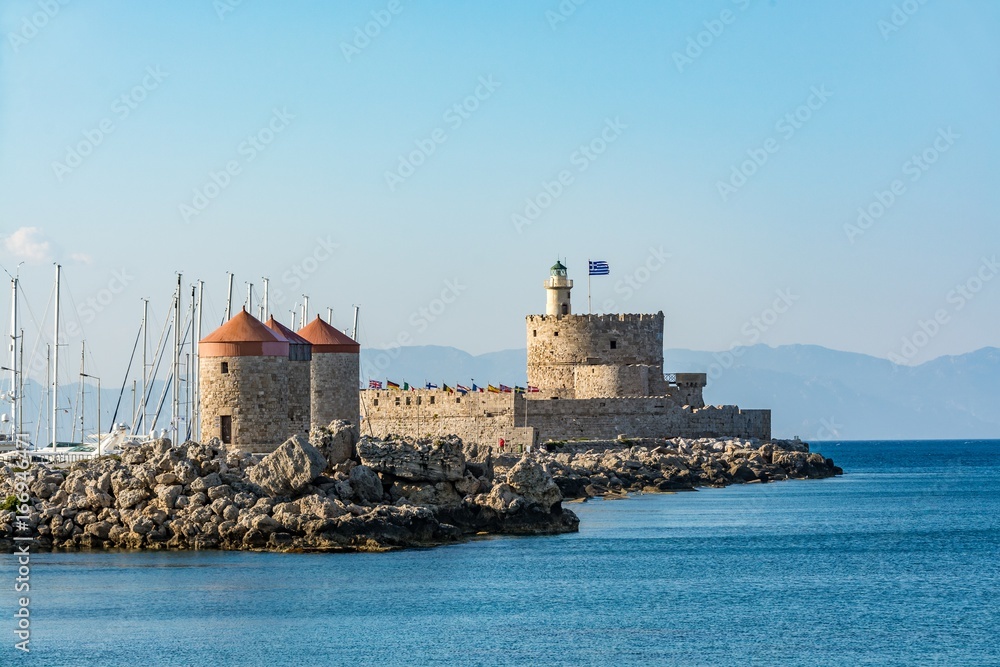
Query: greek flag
(599, 268)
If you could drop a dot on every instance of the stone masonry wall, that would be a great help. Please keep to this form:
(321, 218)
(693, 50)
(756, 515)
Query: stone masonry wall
(483, 419)
(556, 344)
(642, 417)
(254, 393)
(480, 418)
(599, 381)
(299, 399)
(335, 378)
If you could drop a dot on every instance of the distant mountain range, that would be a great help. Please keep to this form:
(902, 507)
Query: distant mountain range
(814, 392)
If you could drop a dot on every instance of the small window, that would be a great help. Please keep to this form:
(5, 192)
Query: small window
(375, 402)
(407, 400)
(458, 400)
(555, 333)
(418, 400)
(534, 333)
(614, 345)
(226, 428)
(225, 367)
(432, 400)
(397, 401)
(565, 309)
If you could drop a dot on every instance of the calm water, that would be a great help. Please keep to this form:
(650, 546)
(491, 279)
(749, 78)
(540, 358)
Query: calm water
(894, 563)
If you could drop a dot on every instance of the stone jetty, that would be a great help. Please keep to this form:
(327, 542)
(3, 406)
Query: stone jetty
(388, 494)
(339, 492)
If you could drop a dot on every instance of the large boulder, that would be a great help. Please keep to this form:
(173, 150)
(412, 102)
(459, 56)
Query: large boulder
(440, 460)
(366, 484)
(289, 468)
(336, 442)
(530, 480)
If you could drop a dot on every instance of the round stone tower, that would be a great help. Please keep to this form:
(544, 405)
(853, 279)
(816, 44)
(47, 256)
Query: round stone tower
(557, 289)
(585, 356)
(243, 367)
(299, 378)
(336, 371)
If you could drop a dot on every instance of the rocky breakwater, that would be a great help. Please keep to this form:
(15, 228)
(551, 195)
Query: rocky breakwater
(334, 493)
(651, 466)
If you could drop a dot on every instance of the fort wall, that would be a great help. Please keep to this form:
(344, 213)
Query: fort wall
(484, 418)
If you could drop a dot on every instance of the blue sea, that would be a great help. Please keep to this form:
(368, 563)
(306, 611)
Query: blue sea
(895, 563)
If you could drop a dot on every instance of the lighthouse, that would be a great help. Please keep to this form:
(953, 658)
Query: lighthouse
(557, 288)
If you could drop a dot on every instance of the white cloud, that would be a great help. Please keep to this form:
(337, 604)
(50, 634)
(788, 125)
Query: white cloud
(29, 244)
(81, 258)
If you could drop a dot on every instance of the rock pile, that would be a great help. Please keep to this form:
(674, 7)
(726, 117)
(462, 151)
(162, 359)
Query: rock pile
(679, 464)
(398, 493)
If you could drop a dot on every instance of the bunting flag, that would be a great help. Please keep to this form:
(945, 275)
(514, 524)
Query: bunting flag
(505, 389)
(462, 388)
(374, 384)
(493, 390)
(532, 390)
(518, 390)
(433, 386)
(599, 268)
(448, 389)
(391, 385)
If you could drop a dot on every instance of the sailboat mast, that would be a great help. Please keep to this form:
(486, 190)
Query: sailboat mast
(196, 426)
(55, 361)
(264, 306)
(20, 389)
(175, 393)
(14, 388)
(188, 427)
(83, 369)
(145, 369)
(305, 310)
(355, 330)
(229, 299)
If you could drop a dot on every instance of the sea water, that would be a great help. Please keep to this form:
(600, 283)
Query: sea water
(895, 563)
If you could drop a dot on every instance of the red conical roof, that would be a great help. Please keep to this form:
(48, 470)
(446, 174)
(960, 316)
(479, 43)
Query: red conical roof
(282, 330)
(325, 338)
(243, 336)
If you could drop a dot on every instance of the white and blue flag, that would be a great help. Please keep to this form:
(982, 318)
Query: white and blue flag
(599, 268)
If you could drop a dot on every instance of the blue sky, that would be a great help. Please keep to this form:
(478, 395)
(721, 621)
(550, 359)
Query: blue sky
(309, 118)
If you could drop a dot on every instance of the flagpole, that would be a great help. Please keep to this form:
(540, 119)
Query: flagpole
(588, 287)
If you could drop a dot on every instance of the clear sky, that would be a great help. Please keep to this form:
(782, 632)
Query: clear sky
(715, 153)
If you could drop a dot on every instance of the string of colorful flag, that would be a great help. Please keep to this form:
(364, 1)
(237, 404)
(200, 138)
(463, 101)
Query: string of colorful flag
(459, 388)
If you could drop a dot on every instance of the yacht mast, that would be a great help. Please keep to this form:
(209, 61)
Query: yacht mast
(145, 370)
(15, 390)
(354, 332)
(264, 304)
(229, 299)
(188, 426)
(20, 389)
(55, 361)
(175, 393)
(196, 425)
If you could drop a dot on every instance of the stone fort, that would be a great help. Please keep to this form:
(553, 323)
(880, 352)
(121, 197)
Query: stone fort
(597, 377)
